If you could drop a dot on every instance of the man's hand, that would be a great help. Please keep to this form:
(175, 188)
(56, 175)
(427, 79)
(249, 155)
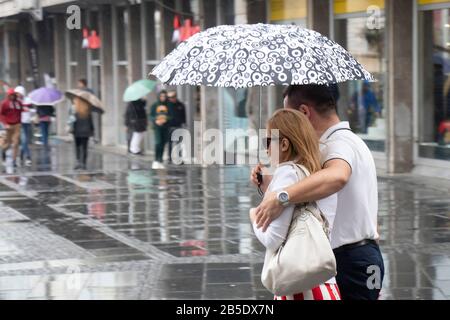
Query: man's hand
(268, 210)
(266, 177)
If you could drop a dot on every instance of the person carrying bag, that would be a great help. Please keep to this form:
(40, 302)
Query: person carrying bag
(299, 263)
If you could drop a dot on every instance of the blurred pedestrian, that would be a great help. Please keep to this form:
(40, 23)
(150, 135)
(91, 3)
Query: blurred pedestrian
(136, 123)
(82, 129)
(45, 114)
(160, 117)
(82, 85)
(178, 116)
(27, 115)
(11, 109)
(367, 106)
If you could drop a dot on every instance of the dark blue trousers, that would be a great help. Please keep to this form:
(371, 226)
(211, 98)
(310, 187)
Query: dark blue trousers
(360, 272)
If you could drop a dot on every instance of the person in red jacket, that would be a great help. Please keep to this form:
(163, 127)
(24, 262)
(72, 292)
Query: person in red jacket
(10, 111)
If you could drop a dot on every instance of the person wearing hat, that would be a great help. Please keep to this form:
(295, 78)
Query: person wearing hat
(26, 125)
(10, 111)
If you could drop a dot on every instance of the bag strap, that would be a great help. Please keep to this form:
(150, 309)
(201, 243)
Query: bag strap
(311, 207)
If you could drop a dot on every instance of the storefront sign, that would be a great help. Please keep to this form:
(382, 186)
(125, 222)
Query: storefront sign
(287, 10)
(423, 2)
(353, 6)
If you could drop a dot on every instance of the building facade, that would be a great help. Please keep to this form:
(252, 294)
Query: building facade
(404, 116)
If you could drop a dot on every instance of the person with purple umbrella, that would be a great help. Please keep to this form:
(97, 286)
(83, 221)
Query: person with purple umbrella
(45, 99)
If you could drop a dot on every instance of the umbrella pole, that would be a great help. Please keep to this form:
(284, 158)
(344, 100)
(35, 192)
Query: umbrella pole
(260, 116)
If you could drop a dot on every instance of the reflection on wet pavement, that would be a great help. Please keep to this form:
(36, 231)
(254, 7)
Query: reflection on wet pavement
(182, 233)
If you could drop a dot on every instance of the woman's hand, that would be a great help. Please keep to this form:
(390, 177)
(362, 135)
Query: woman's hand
(269, 210)
(267, 178)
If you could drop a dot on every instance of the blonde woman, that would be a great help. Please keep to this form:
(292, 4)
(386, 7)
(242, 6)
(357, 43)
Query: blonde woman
(82, 130)
(295, 142)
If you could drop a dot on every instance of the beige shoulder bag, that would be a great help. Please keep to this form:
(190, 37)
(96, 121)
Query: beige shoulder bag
(305, 259)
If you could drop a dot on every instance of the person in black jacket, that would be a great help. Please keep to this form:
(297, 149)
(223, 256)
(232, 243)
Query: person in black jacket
(178, 119)
(82, 129)
(135, 121)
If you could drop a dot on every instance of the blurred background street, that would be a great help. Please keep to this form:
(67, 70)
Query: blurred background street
(123, 231)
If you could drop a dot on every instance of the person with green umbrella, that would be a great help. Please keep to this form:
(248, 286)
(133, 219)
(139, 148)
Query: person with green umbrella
(160, 117)
(135, 114)
(136, 123)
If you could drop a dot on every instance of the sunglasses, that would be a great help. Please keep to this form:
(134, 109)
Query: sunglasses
(268, 140)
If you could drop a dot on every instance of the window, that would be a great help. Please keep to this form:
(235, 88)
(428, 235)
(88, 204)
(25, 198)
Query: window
(122, 27)
(363, 103)
(434, 84)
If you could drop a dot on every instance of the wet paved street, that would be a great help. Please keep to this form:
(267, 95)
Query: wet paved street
(123, 231)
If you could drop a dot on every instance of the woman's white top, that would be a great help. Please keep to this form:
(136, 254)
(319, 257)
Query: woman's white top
(283, 177)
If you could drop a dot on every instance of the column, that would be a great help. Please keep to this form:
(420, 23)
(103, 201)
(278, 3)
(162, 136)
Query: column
(399, 14)
(12, 52)
(60, 68)
(319, 16)
(109, 136)
(134, 50)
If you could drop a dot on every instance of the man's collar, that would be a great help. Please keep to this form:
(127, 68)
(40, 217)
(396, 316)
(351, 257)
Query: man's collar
(340, 125)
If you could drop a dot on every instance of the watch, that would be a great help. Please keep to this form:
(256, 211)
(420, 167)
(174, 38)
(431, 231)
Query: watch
(283, 198)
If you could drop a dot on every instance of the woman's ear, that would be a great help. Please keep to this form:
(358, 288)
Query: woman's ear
(285, 145)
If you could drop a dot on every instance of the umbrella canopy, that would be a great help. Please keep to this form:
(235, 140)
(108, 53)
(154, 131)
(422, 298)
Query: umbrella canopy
(138, 90)
(242, 56)
(45, 96)
(90, 98)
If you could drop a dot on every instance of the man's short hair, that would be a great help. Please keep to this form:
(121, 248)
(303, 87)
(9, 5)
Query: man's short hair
(171, 93)
(83, 81)
(317, 96)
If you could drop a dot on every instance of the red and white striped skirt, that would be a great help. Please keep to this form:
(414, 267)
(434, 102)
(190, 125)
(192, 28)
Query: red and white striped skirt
(326, 291)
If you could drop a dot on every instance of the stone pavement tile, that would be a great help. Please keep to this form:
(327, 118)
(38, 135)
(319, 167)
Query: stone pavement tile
(180, 284)
(22, 282)
(417, 294)
(407, 280)
(257, 284)
(174, 271)
(439, 272)
(114, 252)
(227, 276)
(61, 287)
(229, 291)
(14, 294)
(113, 279)
(263, 295)
(174, 295)
(444, 285)
(107, 294)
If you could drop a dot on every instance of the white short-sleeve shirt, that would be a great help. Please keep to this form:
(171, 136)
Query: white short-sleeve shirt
(357, 202)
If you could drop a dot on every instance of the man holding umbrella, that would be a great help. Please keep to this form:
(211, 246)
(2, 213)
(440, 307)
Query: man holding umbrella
(289, 55)
(349, 171)
(10, 111)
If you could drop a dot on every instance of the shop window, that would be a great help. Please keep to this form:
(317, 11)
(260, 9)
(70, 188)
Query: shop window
(363, 103)
(434, 83)
(122, 26)
(152, 25)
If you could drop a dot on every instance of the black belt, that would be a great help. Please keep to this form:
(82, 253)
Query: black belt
(354, 245)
